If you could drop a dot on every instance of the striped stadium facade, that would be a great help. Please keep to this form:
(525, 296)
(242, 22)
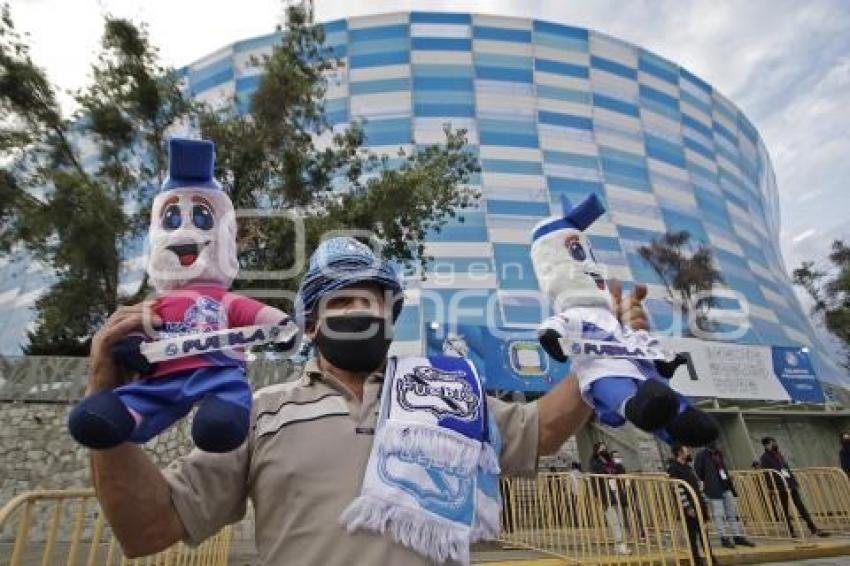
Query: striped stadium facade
(551, 110)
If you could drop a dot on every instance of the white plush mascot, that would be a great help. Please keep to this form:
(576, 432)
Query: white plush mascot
(614, 381)
(191, 266)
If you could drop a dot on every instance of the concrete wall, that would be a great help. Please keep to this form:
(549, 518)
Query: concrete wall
(805, 439)
(36, 451)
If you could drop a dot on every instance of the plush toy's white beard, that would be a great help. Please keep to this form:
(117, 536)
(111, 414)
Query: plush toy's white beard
(566, 282)
(216, 260)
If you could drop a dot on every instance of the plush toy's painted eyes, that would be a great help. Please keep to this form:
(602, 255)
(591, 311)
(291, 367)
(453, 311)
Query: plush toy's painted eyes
(202, 217)
(172, 218)
(576, 250)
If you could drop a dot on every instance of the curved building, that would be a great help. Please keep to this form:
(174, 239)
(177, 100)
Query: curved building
(554, 110)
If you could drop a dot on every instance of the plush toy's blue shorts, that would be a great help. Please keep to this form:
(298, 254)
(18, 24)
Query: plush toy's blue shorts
(164, 400)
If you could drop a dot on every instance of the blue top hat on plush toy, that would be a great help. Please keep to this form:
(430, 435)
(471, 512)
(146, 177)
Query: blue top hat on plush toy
(575, 218)
(191, 164)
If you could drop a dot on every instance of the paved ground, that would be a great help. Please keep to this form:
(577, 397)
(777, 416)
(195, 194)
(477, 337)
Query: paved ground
(839, 561)
(243, 554)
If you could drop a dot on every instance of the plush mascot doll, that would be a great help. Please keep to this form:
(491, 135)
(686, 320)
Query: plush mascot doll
(192, 263)
(619, 389)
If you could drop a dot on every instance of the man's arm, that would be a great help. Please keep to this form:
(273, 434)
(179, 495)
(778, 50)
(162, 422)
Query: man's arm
(563, 411)
(136, 499)
(132, 491)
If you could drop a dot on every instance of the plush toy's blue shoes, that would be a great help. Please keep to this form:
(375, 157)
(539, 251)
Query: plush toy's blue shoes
(101, 421)
(220, 426)
(660, 410)
(653, 406)
(693, 427)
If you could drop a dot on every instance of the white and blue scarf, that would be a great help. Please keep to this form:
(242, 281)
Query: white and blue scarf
(432, 481)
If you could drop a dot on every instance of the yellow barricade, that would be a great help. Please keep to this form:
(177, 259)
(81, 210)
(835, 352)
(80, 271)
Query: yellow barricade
(760, 504)
(49, 528)
(599, 519)
(826, 493)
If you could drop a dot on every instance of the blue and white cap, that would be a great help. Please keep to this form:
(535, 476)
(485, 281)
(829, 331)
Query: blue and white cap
(191, 164)
(574, 218)
(339, 263)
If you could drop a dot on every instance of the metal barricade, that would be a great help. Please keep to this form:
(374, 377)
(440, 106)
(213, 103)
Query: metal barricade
(49, 528)
(826, 492)
(599, 519)
(760, 504)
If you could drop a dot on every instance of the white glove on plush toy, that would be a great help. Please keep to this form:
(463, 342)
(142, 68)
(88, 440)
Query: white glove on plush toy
(618, 388)
(192, 264)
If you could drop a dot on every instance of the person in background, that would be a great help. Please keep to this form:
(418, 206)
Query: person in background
(844, 453)
(680, 469)
(719, 489)
(633, 519)
(576, 490)
(772, 459)
(756, 465)
(608, 492)
(618, 462)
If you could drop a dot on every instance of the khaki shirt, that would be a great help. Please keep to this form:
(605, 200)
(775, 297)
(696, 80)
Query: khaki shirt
(301, 466)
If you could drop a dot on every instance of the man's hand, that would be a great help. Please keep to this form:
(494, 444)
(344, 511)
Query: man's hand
(105, 373)
(562, 411)
(629, 310)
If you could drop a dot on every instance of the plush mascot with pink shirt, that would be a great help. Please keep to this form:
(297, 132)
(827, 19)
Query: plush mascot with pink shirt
(192, 263)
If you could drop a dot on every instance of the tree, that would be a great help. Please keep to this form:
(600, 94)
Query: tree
(94, 210)
(82, 222)
(268, 157)
(829, 289)
(688, 274)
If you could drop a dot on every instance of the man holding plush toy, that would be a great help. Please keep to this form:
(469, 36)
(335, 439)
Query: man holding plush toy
(361, 457)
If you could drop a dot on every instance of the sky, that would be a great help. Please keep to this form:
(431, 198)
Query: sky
(785, 63)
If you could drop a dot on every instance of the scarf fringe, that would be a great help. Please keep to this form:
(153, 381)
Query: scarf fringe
(488, 460)
(441, 446)
(412, 528)
(488, 518)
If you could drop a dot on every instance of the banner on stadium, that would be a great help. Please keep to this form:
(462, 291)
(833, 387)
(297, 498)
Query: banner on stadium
(738, 371)
(726, 371)
(793, 367)
(506, 358)
(512, 359)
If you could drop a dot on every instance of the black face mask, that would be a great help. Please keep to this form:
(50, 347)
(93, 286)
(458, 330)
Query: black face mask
(354, 341)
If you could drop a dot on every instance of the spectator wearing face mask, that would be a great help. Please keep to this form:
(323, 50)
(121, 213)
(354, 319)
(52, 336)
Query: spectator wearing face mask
(844, 453)
(576, 490)
(609, 493)
(710, 467)
(773, 459)
(618, 462)
(681, 469)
